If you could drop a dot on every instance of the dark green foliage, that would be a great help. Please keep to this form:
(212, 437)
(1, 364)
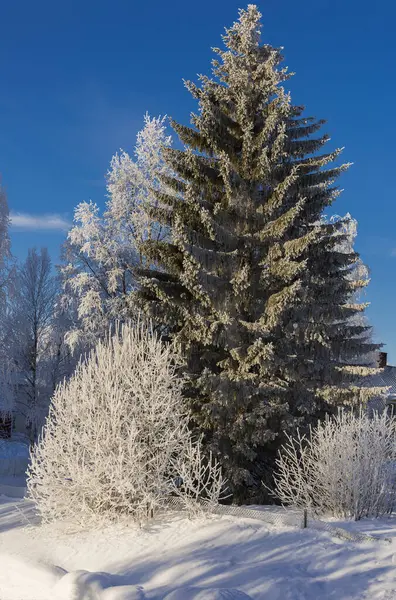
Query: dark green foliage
(254, 285)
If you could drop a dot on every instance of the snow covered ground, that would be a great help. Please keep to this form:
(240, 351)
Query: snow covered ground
(223, 558)
(14, 457)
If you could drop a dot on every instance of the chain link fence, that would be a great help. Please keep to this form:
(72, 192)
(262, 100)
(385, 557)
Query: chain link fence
(285, 517)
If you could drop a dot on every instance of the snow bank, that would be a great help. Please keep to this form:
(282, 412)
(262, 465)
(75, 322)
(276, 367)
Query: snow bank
(85, 585)
(123, 592)
(14, 458)
(221, 558)
(26, 578)
(13, 448)
(56, 583)
(35, 572)
(206, 594)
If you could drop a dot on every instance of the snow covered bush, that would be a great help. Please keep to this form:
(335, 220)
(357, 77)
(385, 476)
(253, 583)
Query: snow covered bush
(346, 467)
(116, 442)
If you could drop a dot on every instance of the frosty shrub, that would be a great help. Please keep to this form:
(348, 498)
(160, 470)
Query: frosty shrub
(346, 467)
(116, 442)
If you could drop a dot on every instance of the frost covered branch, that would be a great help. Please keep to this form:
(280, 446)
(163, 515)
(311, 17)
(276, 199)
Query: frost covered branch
(346, 467)
(117, 436)
(102, 251)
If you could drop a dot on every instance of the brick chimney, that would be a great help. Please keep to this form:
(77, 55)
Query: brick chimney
(382, 359)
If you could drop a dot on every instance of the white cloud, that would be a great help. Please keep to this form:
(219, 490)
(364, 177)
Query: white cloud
(28, 222)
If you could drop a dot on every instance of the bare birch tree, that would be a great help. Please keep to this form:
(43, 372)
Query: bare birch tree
(32, 330)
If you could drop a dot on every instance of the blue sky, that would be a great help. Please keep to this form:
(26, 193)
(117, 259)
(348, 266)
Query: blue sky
(77, 77)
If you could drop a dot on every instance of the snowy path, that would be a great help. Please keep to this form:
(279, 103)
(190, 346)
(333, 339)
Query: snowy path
(261, 561)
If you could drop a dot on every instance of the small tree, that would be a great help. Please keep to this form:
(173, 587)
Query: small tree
(31, 330)
(116, 442)
(5, 248)
(344, 468)
(102, 250)
(7, 395)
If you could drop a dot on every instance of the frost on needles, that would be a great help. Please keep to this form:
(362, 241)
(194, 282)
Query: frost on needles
(253, 285)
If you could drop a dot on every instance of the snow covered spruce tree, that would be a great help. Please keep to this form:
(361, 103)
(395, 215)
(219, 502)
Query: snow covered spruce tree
(326, 337)
(251, 284)
(116, 442)
(102, 250)
(359, 275)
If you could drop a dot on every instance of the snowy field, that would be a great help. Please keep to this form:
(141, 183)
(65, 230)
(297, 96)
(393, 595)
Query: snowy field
(179, 559)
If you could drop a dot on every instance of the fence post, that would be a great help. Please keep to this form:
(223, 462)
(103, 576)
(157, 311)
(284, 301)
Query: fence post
(305, 519)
